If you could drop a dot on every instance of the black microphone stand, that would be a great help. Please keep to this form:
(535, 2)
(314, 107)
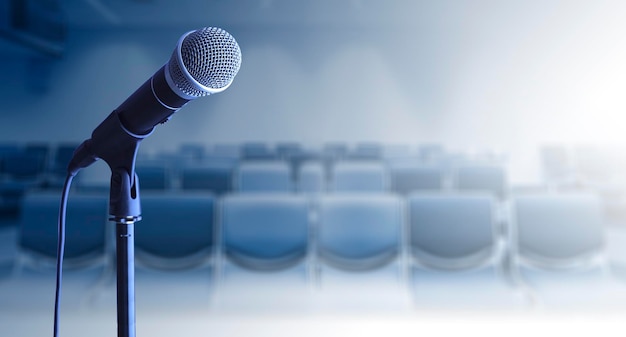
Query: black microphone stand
(125, 248)
(125, 278)
(124, 208)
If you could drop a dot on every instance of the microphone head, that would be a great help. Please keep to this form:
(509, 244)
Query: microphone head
(204, 62)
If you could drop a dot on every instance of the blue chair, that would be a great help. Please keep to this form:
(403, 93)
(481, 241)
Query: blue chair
(24, 165)
(85, 227)
(361, 265)
(363, 177)
(408, 178)
(11, 191)
(292, 153)
(192, 151)
(215, 177)
(57, 170)
(359, 231)
(175, 251)
(257, 151)
(559, 244)
(224, 150)
(262, 177)
(397, 152)
(7, 149)
(265, 242)
(62, 156)
(23, 171)
(177, 230)
(94, 179)
(286, 150)
(311, 178)
(431, 153)
(154, 177)
(482, 178)
(335, 151)
(366, 151)
(87, 257)
(265, 231)
(457, 259)
(175, 160)
(297, 159)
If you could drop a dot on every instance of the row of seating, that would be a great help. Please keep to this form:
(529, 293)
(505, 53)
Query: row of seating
(54, 157)
(28, 161)
(315, 177)
(436, 239)
(560, 163)
(292, 167)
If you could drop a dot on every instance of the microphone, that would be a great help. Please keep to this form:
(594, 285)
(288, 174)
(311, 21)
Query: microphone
(204, 62)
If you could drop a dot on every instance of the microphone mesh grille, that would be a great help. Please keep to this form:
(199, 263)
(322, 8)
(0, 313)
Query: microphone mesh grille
(211, 56)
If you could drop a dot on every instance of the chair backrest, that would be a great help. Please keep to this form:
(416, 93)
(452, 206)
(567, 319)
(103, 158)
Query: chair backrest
(451, 231)
(409, 178)
(359, 177)
(397, 151)
(484, 178)
(558, 229)
(286, 150)
(232, 151)
(257, 151)
(85, 226)
(265, 231)
(192, 151)
(263, 177)
(8, 147)
(62, 156)
(334, 151)
(214, 177)
(24, 165)
(95, 178)
(366, 151)
(311, 178)
(177, 229)
(359, 231)
(154, 177)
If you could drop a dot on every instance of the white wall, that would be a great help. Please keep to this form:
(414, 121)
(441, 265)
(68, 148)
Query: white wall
(480, 75)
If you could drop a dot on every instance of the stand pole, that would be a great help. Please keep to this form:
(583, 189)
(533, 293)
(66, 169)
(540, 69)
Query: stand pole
(117, 146)
(125, 278)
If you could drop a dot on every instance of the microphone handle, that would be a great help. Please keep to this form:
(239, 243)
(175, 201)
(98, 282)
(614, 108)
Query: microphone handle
(153, 103)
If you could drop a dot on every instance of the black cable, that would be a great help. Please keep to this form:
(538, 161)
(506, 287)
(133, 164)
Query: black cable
(61, 250)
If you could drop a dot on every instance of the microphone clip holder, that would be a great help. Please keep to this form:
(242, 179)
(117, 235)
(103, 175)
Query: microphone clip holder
(117, 146)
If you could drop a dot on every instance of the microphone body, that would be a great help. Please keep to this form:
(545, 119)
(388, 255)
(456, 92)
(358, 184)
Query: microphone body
(153, 103)
(204, 62)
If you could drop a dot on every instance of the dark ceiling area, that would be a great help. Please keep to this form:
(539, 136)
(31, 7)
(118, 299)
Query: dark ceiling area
(40, 27)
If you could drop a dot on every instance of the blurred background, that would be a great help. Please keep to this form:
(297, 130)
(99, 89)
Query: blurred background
(375, 167)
